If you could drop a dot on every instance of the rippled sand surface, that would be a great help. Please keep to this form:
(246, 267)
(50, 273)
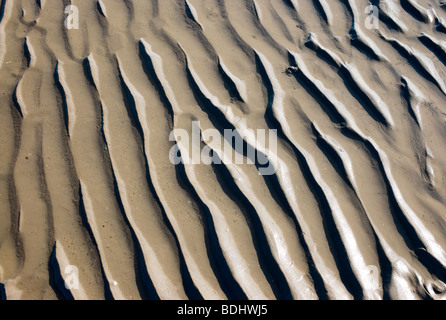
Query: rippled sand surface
(355, 209)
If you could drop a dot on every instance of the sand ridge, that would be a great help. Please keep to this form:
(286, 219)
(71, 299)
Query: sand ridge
(355, 209)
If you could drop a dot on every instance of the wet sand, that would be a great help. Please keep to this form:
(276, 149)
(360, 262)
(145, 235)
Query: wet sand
(355, 209)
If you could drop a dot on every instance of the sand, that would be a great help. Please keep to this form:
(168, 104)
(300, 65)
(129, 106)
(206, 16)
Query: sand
(93, 99)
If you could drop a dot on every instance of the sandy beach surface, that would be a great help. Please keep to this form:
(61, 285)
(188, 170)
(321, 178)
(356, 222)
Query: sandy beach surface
(336, 110)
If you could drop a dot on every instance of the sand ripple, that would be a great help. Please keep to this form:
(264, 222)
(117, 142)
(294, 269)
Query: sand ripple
(91, 206)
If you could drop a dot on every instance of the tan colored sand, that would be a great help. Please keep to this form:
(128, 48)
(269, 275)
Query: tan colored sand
(356, 207)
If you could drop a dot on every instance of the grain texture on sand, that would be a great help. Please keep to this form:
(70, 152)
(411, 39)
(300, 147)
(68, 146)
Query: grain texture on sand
(89, 98)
